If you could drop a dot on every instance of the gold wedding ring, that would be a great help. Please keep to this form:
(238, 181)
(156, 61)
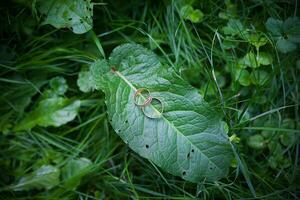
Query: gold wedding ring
(152, 107)
(138, 93)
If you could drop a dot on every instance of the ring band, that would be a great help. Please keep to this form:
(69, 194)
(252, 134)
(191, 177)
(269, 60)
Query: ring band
(146, 102)
(158, 113)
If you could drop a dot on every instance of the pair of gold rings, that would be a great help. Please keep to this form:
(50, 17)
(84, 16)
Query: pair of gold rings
(152, 107)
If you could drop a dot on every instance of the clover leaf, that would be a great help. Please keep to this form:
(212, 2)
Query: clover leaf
(255, 61)
(256, 39)
(285, 33)
(242, 76)
(233, 27)
(259, 77)
(189, 13)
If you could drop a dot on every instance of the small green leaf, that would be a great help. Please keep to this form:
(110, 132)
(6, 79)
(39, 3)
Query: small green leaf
(256, 141)
(234, 27)
(186, 10)
(58, 85)
(257, 40)
(250, 60)
(85, 81)
(274, 26)
(223, 15)
(285, 46)
(229, 43)
(74, 14)
(243, 77)
(279, 161)
(73, 172)
(259, 77)
(288, 139)
(194, 15)
(275, 148)
(286, 33)
(46, 177)
(291, 27)
(272, 162)
(230, 12)
(264, 58)
(254, 61)
(54, 111)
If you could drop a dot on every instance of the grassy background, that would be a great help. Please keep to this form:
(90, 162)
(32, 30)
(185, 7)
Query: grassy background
(32, 54)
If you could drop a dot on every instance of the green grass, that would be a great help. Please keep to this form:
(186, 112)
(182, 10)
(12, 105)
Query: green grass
(32, 54)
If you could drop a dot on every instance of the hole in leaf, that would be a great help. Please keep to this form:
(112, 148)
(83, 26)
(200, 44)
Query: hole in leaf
(147, 146)
(192, 150)
(126, 121)
(184, 173)
(70, 19)
(188, 155)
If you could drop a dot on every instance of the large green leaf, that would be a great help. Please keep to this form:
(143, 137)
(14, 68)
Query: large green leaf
(190, 140)
(73, 14)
